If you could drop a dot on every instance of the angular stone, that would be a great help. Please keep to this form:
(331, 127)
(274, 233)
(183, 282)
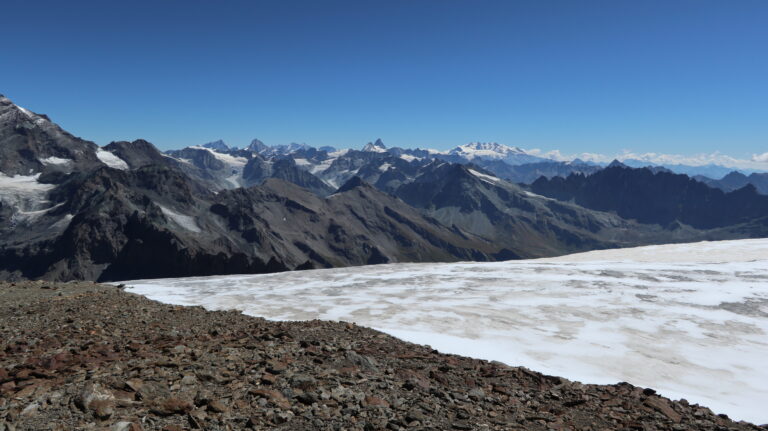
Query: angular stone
(172, 406)
(663, 407)
(217, 406)
(275, 397)
(373, 401)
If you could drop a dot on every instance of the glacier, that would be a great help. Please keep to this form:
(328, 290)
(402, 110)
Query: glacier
(689, 320)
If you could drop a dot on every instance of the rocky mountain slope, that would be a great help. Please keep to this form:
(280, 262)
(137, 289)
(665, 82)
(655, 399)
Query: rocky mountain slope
(658, 198)
(530, 225)
(31, 144)
(80, 356)
(154, 222)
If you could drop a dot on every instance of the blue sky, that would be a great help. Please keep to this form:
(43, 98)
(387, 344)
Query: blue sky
(598, 76)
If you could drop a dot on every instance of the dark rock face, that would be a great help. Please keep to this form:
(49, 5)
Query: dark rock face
(530, 172)
(258, 170)
(656, 198)
(30, 143)
(138, 153)
(217, 145)
(357, 225)
(257, 146)
(85, 356)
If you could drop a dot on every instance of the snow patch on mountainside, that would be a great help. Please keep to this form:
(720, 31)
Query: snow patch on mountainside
(26, 112)
(111, 160)
(409, 158)
(182, 220)
(229, 159)
(23, 193)
(690, 320)
(55, 161)
(484, 177)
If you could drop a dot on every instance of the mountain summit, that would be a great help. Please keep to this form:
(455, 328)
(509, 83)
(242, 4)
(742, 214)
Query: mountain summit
(493, 151)
(375, 147)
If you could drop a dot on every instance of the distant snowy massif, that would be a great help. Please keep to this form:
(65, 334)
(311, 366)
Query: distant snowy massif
(689, 320)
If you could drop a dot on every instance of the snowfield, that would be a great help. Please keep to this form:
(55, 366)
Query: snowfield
(689, 320)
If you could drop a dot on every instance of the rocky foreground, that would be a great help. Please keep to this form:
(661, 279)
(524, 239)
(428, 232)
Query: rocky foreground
(93, 357)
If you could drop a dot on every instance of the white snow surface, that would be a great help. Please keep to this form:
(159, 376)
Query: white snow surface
(490, 150)
(26, 112)
(23, 192)
(409, 158)
(487, 178)
(55, 161)
(689, 320)
(111, 160)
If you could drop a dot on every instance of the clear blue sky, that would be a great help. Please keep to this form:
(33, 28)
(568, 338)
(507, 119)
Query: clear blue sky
(669, 76)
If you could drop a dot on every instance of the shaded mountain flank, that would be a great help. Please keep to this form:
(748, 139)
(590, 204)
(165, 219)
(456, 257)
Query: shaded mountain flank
(661, 198)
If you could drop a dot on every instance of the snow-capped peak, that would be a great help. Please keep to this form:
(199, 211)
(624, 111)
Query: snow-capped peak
(375, 147)
(494, 151)
(36, 118)
(486, 149)
(217, 145)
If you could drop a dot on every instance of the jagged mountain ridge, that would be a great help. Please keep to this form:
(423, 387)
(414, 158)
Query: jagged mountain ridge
(657, 197)
(528, 224)
(736, 180)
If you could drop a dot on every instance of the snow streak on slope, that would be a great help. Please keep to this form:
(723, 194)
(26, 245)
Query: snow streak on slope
(689, 320)
(111, 160)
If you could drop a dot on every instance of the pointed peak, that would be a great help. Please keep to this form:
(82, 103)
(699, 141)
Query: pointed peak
(617, 164)
(257, 146)
(217, 145)
(375, 147)
(735, 174)
(352, 183)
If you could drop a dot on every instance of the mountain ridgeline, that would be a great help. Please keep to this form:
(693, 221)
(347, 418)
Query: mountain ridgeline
(70, 209)
(657, 197)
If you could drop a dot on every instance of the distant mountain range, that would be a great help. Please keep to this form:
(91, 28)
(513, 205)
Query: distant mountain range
(736, 180)
(70, 209)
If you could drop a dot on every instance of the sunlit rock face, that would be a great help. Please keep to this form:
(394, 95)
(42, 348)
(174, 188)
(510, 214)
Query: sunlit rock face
(690, 320)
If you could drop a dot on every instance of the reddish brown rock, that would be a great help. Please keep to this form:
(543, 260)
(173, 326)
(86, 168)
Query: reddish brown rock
(172, 406)
(372, 401)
